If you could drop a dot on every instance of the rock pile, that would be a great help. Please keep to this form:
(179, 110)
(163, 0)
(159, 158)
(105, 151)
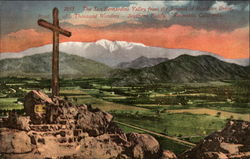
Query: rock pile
(64, 130)
(233, 142)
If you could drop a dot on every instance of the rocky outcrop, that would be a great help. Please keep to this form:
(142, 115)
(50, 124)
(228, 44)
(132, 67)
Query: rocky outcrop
(32, 99)
(233, 142)
(64, 130)
(14, 141)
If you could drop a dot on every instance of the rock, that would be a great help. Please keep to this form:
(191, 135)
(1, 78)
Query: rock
(23, 123)
(14, 141)
(101, 147)
(149, 145)
(230, 148)
(138, 152)
(17, 122)
(168, 155)
(108, 116)
(95, 123)
(228, 143)
(214, 155)
(33, 99)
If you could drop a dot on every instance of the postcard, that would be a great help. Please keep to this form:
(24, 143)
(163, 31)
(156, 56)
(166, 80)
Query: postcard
(124, 79)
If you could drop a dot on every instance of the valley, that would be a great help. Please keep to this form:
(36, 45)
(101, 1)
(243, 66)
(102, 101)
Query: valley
(177, 95)
(186, 111)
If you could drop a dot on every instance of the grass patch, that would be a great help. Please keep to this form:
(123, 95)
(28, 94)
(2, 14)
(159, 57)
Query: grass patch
(178, 125)
(9, 104)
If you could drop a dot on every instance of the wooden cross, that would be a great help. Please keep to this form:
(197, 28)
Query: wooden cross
(55, 58)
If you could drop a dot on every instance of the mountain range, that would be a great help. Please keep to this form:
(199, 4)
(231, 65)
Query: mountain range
(39, 65)
(141, 62)
(184, 68)
(112, 53)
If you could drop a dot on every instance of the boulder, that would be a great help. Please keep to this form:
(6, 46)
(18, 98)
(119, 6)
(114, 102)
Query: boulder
(95, 123)
(31, 100)
(168, 155)
(14, 141)
(138, 152)
(228, 143)
(148, 144)
(23, 123)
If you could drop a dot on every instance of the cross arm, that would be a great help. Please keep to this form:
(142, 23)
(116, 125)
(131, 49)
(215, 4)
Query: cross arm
(50, 26)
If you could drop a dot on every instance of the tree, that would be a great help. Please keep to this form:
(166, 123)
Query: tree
(218, 114)
(165, 131)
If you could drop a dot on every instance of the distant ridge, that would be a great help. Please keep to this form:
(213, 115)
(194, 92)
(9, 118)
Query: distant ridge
(184, 68)
(141, 62)
(39, 65)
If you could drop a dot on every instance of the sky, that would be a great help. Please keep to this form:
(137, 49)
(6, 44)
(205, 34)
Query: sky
(220, 27)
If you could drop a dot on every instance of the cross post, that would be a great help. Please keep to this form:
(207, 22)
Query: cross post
(55, 55)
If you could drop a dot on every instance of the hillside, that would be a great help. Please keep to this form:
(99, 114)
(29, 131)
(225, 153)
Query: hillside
(184, 68)
(40, 65)
(141, 62)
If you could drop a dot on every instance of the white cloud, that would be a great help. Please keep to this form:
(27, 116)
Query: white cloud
(222, 7)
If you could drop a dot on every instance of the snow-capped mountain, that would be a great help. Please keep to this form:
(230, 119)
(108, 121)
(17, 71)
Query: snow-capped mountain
(116, 45)
(115, 52)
